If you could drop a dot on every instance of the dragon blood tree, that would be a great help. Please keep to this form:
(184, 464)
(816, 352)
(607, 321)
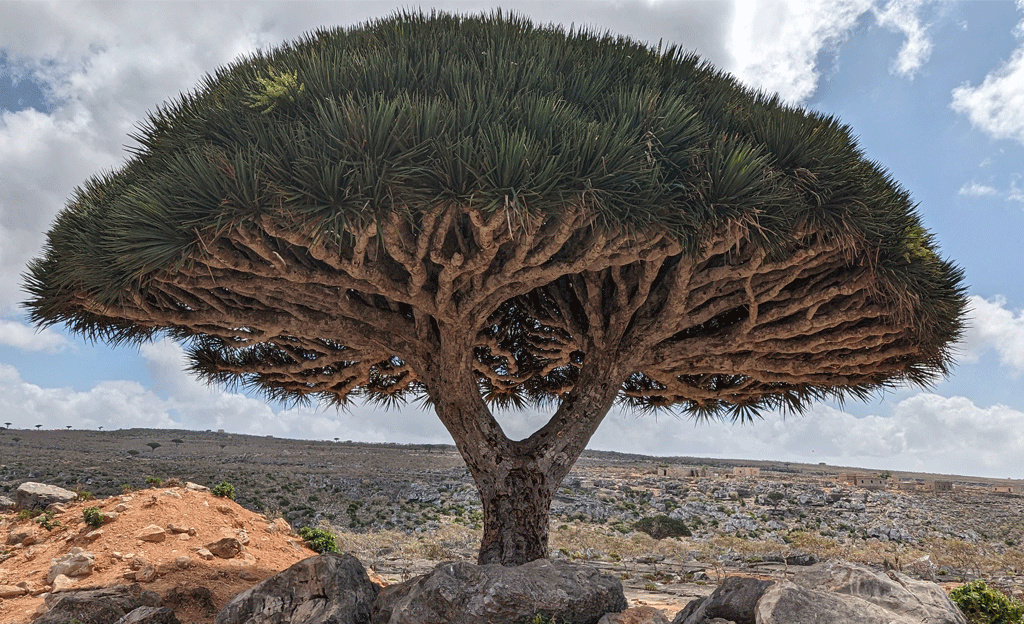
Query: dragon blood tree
(481, 212)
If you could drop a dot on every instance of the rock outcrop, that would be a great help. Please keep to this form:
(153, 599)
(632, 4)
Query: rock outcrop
(326, 589)
(97, 606)
(31, 495)
(833, 592)
(465, 593)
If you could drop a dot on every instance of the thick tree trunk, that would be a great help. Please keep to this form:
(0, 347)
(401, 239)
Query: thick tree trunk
(515, 514)
(517, 480)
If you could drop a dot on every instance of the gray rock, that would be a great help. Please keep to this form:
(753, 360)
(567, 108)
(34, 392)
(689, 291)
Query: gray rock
(464, 593)
(76, 562)
(225, 548)
(326, 589)
(150, 615)
(7, 503)
(734, 600)
(39, 495)
(840, 592)
(96, 606)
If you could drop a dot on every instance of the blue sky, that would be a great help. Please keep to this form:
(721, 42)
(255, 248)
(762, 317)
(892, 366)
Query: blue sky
(934, 90)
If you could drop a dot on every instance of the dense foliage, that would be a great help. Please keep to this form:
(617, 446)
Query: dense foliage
(982, 604)
(319, 540)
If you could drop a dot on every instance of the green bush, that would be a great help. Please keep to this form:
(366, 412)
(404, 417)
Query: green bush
(224, 490)
(318, 540)
(154, 481)
(660, 527)
(982, 604)
(92, 516)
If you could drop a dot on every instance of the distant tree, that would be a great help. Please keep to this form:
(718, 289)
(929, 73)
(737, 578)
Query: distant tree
(177, 441)
(68, 427)
(222, 446)
(535, 218)
(38, 427)
(336, 439)
(101, 427)
(133, 452)
(775, 498)
(8, 425)
(154, 445)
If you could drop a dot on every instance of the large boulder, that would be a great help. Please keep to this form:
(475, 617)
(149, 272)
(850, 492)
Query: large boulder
(842, 592)
(833, 592)
(734, 600)
(31, 495)
(76, 562)
(464, 593)
(326, 589)
(96, 606)
(150, 615)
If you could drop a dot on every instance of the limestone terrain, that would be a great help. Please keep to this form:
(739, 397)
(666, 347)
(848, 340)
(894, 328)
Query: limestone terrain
(402, 508)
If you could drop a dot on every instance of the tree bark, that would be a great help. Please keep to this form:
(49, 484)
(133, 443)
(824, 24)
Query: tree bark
(517, 480)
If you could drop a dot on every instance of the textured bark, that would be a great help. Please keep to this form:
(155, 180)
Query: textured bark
(464, 303)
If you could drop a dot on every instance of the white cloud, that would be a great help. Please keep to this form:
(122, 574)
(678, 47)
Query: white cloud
(902, 15)
(924, 432)
(974, 189)
(994, 327)
(776, 44)
(996, 106)
(25, 338)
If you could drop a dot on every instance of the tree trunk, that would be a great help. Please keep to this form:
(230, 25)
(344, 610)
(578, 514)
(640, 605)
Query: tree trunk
(517, 480)
(515, 514)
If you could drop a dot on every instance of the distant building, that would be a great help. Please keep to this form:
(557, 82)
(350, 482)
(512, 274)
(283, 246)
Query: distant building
(1004, 489)
(864, 481)
(940, 486)
(746, 471)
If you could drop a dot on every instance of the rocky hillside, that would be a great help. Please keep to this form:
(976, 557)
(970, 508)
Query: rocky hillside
(399, 508)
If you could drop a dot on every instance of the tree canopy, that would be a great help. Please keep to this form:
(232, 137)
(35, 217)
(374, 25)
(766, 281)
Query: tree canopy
(477, 209)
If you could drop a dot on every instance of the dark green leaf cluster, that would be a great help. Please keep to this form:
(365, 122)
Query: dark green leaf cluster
(347, 127)
(494, 111)
(319, 540)
(660, 527)
(982, 604)
(92, 516)
(224, 490)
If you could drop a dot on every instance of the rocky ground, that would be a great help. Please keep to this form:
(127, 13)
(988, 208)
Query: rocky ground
(401, 509)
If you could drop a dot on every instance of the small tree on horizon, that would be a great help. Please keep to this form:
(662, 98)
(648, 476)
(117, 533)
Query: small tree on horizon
(38, 427)
(534, 218)
(8, 425)
(153, 445)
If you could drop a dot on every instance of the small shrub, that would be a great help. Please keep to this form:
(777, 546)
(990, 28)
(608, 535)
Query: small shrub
(126, 489)
(154, 481)
(318, 540)
(982, 604)
(92, 516)
(224, 490)
(46, 521)
(660, 527)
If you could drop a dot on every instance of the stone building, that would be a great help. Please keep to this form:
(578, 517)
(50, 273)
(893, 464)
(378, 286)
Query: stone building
(746, 471)
(864, 481)
(940, 486)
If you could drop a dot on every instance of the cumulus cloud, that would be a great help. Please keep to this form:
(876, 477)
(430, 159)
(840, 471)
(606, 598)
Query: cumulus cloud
(995, 327)
(902, 16)
(925, 432)
(776, 43)
(996, 106)
(25, 338)
(974, 189)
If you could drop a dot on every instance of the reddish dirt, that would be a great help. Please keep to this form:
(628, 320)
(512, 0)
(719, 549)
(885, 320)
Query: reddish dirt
(119, 555)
